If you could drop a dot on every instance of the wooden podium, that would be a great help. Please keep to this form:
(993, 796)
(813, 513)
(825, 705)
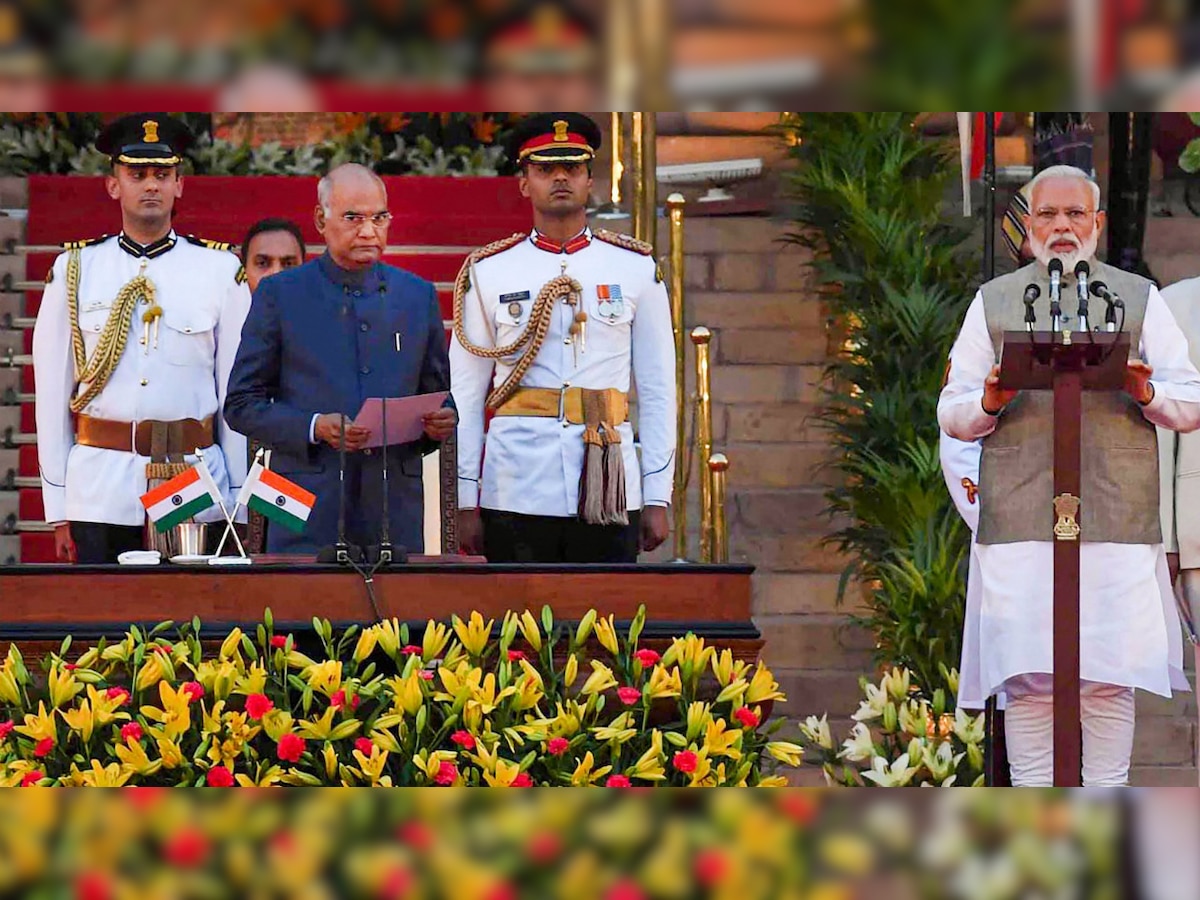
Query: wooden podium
(1067, 363)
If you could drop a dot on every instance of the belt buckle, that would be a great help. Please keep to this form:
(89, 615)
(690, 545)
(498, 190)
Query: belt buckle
(562, 403)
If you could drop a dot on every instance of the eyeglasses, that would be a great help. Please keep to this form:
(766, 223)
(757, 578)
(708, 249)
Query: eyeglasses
(1075, 215)
(378, 221)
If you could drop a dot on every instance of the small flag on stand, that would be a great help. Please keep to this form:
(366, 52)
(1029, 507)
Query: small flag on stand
(181, 498)
(272, 495)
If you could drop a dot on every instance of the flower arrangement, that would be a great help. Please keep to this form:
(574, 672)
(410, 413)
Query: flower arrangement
(900, 738)
(544, 704)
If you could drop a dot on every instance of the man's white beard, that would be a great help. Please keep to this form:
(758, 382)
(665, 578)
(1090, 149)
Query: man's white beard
(1086, 250)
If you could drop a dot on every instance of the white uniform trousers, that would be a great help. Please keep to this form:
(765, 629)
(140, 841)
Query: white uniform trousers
(1107, 719)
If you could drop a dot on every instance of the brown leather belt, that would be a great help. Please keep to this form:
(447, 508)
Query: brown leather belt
(178, 437)
(566, 404)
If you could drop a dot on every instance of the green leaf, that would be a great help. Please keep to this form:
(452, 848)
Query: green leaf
(1189, 159)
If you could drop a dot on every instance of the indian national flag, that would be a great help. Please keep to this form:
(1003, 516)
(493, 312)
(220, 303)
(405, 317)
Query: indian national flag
(182, 497)
(276, 498)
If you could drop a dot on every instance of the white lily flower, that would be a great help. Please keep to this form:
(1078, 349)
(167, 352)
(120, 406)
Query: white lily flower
(968, 729)
(816, 731)
(859, 747)
(898, 774)
(872, 707)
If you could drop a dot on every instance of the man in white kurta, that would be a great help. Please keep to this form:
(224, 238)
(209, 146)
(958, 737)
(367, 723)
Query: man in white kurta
(1126, 641)
(178, 350)
(610, 335)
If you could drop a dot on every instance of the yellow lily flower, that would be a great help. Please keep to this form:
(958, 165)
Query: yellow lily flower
(649, 766)
(63, 687)
(700, 776)
(689, 649)
(176, 713)
(217, 677)
(109, 776)
(773, 781)
(150, 674)
(119, 652)
(372, 766)
(298, 660)
(585, 627)
(232, 644)
(169, 752)
(366, 644)
(504, 774)
(387, 634)
(531, 630)
(585, 773)
(276, 723)
(786, 752)
(698, 717)
(528, 691)
(81, 719)
(10, 694)
(319, 730)
(763, 687)
(663, 683)
(726, 668)
(473, 635)
(571, 672)
(606, 634)
(134, 760)
(325, 677)
(719, 741)
(407, 694)
(599, 681)
(253, 682)
(733, 692)
(384, 739)
(211, 718)
(104, 708)
(40, 726)
(430, 762)
(267, 778)
(434, 640)
(621, 729)
(330, 758)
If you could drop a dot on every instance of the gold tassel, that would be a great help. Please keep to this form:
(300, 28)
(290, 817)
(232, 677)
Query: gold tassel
(591, 479)
(615, 512)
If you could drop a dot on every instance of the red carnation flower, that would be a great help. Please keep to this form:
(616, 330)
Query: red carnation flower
(337, 699)
(131, 732)
(70, 667)
(187, 848)
(5, 728)
(219, 776)
(258, 705)
(544, 847)
(624, 890)
(354, 702)
(397, 883)
(685, 761)
(279, 640)
(515, 655)
(411, 650)
(747, 717)
(618, 781)
(32, 778)
(364, 746)
(501, 891)
(92, 886)
(464, 739)
(42, 747)
(629, 695)
(160, 648)
(194, 689)
(557, 746)
(710, 866)
(425, 675)
(120, 694)
(290, 747)
(447, 774)
(522, 780)
(417, 835)
(647, 657)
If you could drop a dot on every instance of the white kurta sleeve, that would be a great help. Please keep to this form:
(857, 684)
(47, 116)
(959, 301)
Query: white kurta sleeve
(653, 353)
(1176, 403)
(470, 380)
(54, 375)
(960, 408)
(228, 334)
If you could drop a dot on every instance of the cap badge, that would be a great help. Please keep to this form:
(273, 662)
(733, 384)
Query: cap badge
(560, 130)
(150, 131)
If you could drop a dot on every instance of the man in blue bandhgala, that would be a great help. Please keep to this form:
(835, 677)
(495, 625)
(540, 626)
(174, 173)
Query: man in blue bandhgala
(319, 340)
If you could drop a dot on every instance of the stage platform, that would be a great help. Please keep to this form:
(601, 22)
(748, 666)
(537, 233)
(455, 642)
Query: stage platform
(41, 604)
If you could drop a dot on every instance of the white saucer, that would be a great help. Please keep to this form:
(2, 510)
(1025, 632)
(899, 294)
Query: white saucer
(190, 559)
(229, 561)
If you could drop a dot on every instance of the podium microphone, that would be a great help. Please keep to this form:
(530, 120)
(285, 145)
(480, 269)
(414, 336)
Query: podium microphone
(1032, 292)
(385, 554)
(1055, 268)
(1082, 270)
(341, 552)
(1112, 301)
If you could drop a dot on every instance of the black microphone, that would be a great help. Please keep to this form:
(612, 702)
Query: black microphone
(385, 553)
(1112, 301)
(342, 553)
(1055, 267)
(1082, 270)
(1032, 292)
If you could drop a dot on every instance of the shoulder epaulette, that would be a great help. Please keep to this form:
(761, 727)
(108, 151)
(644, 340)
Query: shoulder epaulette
(211, 245)
(498, 246)
(624, 241)
(79, 245)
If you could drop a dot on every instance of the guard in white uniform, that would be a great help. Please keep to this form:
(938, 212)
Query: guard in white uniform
(132, 350)
(1127, 640)
(548, 327)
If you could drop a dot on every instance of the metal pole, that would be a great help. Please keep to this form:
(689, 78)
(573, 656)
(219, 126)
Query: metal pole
(701, 337)
(718, 466)
(636, 146)
(618, 163)
(649, 217)
(989, 196)
(679, 496)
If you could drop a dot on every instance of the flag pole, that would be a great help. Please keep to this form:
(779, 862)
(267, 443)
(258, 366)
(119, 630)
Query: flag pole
(221, 503)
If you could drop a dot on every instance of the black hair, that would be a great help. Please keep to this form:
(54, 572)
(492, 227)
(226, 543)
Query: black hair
(262, 226)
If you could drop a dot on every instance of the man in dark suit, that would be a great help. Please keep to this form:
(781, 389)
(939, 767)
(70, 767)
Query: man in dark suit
(319, 340)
